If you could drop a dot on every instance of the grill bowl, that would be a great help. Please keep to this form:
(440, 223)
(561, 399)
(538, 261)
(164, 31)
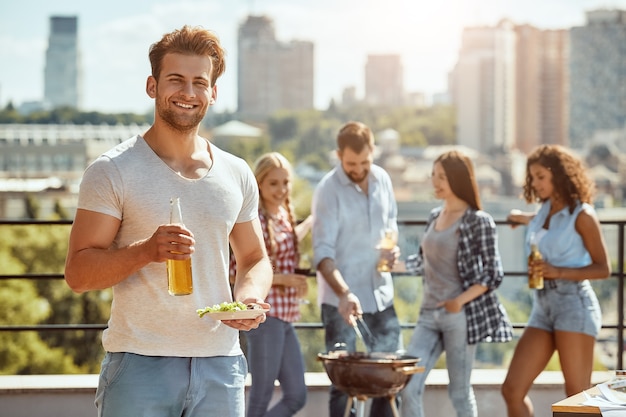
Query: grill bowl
(377, 374)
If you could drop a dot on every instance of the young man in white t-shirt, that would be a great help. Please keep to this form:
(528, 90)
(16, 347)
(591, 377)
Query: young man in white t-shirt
(161, 358)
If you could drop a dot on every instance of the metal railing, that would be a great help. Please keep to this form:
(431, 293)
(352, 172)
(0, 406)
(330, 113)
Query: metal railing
(618, 274)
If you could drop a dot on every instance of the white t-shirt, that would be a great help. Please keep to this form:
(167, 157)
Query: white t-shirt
(131, 183)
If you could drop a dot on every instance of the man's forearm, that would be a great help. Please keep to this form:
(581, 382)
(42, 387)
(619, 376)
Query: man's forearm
(333, 277)
(255, 283)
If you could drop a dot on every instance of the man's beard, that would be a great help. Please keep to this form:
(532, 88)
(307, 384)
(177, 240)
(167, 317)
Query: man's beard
(358, 180)
(182, 124)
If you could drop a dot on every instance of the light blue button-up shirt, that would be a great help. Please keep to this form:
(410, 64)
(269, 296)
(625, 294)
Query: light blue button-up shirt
(561, 245)
(347, 226)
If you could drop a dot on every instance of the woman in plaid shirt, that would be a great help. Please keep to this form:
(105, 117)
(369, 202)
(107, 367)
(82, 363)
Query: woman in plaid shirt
(460, 265)
(273, 349)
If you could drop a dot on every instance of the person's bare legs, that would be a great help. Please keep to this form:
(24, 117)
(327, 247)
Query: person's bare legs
(576, 357)
(532, 353)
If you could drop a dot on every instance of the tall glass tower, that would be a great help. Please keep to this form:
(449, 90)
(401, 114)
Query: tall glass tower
(63, 72)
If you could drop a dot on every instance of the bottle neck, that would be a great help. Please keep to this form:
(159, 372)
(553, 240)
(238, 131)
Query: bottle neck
(176, 216)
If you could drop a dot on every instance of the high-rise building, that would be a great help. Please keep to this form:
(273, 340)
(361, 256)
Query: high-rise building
(542, 82)
(483, 83)
(510, 87)
(384, 80)
(272, 75)
(63, 72)
(597, 75)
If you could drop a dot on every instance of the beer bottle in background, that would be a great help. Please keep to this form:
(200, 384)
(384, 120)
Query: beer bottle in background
(179, 280)
(535, 278)
(386, 244)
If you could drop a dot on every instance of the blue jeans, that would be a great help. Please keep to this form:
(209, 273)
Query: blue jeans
(438, 331)
(385, 327)
(159, 386)
(274, 354)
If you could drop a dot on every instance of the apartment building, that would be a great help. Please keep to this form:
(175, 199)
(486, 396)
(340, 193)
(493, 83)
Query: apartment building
(384, 80)
(49, 160)
(542, 87)
(597, 76)
(272, 75)
(483, 82)
(510, 87)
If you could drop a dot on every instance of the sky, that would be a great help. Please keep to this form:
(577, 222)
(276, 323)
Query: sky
(114, 37)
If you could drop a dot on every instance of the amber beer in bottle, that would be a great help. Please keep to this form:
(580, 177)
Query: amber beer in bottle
(387, 243)
(535, 279)
(179, 280)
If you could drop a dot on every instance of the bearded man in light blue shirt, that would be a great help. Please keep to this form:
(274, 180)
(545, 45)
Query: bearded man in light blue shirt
(353, 205)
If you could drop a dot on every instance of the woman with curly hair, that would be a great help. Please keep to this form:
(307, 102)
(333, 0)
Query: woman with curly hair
(566, 315)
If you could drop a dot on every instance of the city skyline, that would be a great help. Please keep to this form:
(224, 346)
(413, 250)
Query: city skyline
(114, 38)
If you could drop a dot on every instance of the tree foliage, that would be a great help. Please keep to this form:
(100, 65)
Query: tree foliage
(37, 249)
(311, 135)
(27, 352)
(67, 115)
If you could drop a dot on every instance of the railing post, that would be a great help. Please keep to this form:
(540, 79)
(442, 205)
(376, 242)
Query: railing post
(620, 296)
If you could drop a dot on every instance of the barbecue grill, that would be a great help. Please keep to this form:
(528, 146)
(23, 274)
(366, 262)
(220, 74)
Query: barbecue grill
(369, 375)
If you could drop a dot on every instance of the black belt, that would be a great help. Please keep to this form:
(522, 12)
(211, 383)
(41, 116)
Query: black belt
(549, 284)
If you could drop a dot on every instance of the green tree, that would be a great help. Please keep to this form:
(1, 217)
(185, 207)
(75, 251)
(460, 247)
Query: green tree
(66, 115)
(33, 207)
(35, 249)
(282, 128)
(60, 212)
(42, 249)
(26, 352)
(10, 115)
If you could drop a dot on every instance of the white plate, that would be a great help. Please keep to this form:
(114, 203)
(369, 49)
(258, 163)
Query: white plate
(236, 315)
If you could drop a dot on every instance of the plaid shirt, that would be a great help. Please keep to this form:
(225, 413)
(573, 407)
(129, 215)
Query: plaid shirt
(284, 302)
(478, 262)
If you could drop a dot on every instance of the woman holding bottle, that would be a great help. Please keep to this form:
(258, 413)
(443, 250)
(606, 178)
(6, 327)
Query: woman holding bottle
(273, 350)
(460, 264)
(566, 315)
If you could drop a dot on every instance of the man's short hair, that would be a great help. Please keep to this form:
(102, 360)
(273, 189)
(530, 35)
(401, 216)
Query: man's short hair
(356, 136)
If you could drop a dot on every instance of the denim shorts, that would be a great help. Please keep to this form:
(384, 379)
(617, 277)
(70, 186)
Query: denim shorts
(569, 306)
(155, 386)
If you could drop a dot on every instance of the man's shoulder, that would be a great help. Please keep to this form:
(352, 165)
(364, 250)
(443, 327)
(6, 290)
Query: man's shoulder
(330, 177)
(381, 176)
(379, 172)
(122, 154)
(123, 148)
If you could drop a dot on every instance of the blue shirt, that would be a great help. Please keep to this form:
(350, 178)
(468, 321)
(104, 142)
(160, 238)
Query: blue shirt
(478, 261)
(347, 226)
(561, 245)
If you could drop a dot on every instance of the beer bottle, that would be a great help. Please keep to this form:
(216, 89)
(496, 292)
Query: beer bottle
(535, 278)
(179, 281)
(387, 243)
